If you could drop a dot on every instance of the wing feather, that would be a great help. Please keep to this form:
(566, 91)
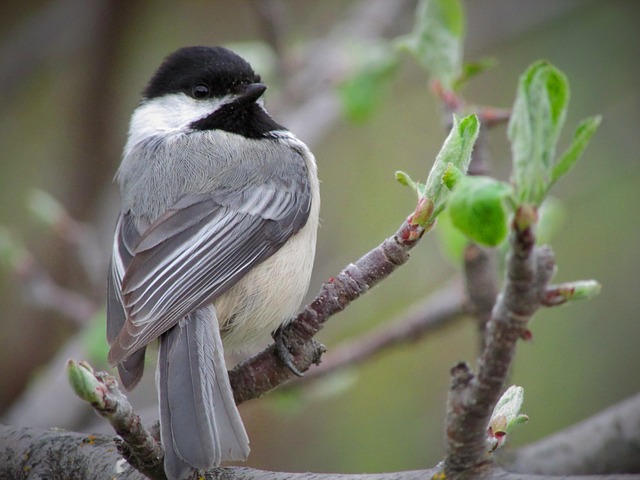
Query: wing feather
(125, 239)
(195, 252)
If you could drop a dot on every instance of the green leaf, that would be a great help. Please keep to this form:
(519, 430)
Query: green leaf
(538, 116)
(404, 179)
(505, 417)
(451, 176)
(451, 163)
(456, 150)
(478, 208)
(437, 39)
(473, 69)
(362, 93)
(581, 139)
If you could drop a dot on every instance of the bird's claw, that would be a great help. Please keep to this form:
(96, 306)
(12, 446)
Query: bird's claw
(282, 347)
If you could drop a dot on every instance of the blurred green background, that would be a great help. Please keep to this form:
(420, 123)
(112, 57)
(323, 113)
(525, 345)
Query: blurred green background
(70, 75)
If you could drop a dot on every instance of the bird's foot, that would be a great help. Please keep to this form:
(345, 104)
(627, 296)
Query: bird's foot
(282, 347)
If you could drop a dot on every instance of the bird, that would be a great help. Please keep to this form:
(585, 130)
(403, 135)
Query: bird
(213, 247)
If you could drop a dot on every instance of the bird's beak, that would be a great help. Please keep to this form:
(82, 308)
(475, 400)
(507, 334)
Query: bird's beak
(250, 93)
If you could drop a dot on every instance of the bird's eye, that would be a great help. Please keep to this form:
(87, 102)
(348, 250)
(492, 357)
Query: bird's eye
(200, 91)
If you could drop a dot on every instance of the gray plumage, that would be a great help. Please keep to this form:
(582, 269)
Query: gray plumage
(202, 428)
(215, 240)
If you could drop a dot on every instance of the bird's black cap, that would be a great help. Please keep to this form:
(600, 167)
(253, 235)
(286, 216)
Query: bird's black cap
(217, 68)
(210, 72)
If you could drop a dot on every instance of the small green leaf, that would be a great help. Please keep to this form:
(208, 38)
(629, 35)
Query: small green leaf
(510, 403)
(404, 179)
(362, 93)
(570, 291)
(581, 139)
(505, 417)
(538, 115)
(473, 69)
(451, 176)
(456, 150)
(452, 160)
(478, 208)
(438, 38)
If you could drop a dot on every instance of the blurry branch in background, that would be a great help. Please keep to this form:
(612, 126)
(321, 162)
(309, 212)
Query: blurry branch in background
(44, 292)
(273, 18)
(605, 443)
(57, 26)
(67, 31)
(41, 290)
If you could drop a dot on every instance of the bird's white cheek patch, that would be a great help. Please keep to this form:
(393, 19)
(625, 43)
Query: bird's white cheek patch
(167, 115)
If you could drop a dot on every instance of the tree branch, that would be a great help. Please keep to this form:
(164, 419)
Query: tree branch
(608, 442)
(135, 443)
(472, 399)
(481, 285)
(433, 313)
(33, 453)
(265, 371)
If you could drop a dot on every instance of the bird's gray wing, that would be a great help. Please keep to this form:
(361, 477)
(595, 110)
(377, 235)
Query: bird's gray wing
(126, 238)
(200, 424)
(197, 250)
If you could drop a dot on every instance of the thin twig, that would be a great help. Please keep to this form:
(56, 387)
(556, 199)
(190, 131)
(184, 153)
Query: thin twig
(433, 313)
(262, 373)
(45, 293)
(135, 444)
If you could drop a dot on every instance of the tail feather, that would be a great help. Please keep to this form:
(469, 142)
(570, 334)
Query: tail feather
(132, 368)
(200, 423)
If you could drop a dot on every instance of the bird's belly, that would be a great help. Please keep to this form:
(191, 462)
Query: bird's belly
(269, 295)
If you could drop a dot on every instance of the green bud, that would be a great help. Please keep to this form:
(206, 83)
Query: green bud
(84, 383)
(506, 416)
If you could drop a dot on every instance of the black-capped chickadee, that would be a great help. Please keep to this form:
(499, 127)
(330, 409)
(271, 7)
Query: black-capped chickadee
(215, 240)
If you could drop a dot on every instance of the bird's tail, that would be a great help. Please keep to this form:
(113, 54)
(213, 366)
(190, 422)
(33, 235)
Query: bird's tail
(200, 425)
